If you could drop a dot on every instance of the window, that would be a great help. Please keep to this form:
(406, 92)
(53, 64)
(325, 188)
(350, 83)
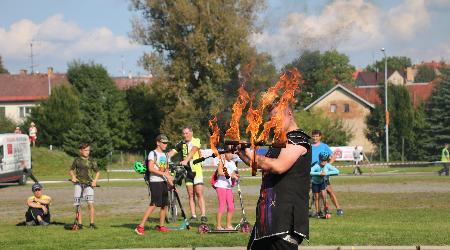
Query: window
(333, 108)
(2, 112)
(24, 111)
(346, 108)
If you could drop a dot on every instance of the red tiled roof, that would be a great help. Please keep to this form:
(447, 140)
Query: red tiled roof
(418, 92)
(434, 65)
(126, 82)
(28, 87)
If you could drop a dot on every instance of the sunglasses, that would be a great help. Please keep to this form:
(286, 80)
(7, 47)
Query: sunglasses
(37, 189)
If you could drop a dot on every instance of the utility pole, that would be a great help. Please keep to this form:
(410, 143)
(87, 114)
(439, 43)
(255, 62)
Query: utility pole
(386, 104)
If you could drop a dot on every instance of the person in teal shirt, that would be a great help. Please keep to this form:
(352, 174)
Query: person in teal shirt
(444, 159)
(319, 172)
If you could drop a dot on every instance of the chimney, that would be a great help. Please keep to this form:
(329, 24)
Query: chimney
(410, 74)
(23, 72)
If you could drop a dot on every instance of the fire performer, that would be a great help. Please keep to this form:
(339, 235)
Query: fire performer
(282, 207)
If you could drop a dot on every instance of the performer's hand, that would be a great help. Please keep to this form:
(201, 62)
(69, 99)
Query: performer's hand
(183, 163)
(45, 209)
(94, 183)
(74, 179)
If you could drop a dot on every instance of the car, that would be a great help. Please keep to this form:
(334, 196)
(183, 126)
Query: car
(15, 158)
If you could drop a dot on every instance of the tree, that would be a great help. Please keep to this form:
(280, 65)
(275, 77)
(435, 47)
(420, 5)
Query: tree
(425, 74)
(438, 121)
(403, 122)
(56, 115)
(202, 46)
(6, 125)
(88, 76)
(334, 132)
(3, 70)
(92, 128)
(321, 71)
(399, 63)
(145, 114)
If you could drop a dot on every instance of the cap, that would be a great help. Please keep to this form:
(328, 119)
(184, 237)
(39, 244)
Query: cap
(36, 186)
(162, 138)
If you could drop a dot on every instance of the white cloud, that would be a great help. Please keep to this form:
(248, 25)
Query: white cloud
(348, 25)
(351, 25)
(56, 37)
(406, 20)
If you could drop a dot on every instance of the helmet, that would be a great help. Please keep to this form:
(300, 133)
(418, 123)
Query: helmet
(324, 156)
(36, 186)
(139, 167)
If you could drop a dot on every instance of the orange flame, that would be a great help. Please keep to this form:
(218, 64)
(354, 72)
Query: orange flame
(214, 138)
(291, 79)
(255, 116)
(233, 132)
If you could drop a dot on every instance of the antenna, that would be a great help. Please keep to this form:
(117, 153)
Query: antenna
(32, 58)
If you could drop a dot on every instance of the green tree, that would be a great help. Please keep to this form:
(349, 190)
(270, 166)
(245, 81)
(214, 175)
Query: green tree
(437, 118)
(403, 122)
(92, 128)
(6, 125)
(145, 114)
(201, 46)
(321, 71)
(88, 76)
(425, 74)
(399, 63)
(56, 115)
(3, 70)
(334, 132)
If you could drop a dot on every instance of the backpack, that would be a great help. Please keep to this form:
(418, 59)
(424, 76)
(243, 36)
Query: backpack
(147, 173)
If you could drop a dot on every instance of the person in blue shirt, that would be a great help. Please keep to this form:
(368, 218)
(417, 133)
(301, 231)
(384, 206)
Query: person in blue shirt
(317, 147)
(319, 172)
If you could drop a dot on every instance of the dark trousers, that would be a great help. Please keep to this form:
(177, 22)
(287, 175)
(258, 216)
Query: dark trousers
(444, 169)
(270, 243)
(32, 214)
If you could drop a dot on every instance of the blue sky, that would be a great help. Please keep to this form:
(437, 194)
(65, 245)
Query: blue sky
(97, 30)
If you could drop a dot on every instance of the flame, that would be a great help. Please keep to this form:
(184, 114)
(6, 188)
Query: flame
(292, 80)
(241, 101)
(255, 116)
(215, 136)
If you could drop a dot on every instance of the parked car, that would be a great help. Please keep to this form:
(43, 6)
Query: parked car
(15, 158)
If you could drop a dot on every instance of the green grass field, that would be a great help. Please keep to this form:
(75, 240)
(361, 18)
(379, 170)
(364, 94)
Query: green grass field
(379, 210)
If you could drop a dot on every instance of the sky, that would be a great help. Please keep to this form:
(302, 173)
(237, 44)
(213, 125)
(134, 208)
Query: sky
(98, 30)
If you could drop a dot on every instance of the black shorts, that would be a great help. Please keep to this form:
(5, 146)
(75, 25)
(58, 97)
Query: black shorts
(316, 188)
(159, 194)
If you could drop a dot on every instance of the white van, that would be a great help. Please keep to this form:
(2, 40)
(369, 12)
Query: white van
(15, 158)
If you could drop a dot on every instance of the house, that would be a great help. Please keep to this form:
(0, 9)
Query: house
(352, 104)
(373, 78)
(341, 102)
(20, 93)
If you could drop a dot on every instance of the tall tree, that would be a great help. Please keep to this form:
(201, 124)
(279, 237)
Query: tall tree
(201, 45)
(403, 122)
(437, 117)
(92, 128)
(88, 76)
(425, 74)
(3, 70)
(56, 115)
(321, 71)
(399, 63)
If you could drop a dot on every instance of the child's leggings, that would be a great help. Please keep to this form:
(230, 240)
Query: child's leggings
(225, 195)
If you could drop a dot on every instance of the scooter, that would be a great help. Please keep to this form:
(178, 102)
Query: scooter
(243, 226)
(185, 224)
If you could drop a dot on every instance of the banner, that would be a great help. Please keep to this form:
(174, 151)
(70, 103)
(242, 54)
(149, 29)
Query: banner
(345, 153)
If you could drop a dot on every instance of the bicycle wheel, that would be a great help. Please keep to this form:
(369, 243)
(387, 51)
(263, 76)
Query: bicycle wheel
(172, 212)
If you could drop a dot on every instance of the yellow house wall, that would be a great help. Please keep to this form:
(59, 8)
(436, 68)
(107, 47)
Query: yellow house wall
(354, 119)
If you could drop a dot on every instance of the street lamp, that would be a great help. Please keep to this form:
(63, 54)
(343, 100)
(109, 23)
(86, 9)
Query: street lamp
(386, 105)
